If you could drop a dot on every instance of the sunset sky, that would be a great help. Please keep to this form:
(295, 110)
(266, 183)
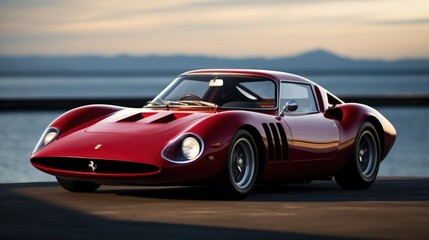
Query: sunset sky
(375, 29)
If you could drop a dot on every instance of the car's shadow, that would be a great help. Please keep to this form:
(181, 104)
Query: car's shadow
(28, 215)
(397, 189)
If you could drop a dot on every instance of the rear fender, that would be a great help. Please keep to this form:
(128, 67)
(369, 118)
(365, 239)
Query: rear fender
(351, 116)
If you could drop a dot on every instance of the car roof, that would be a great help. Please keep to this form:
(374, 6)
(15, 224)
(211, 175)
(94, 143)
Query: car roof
(275, 75)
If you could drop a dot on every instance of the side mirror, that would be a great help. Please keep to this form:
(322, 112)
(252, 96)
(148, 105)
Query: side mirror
(290, 106)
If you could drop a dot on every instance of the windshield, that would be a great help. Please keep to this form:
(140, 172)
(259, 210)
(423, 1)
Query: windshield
(218, 91)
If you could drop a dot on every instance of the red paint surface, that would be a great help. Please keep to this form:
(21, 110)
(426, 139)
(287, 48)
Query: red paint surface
(317, 145)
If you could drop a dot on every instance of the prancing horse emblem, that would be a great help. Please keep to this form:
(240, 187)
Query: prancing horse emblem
(92, 165)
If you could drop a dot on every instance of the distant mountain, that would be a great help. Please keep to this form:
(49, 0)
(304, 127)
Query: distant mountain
(318, 61)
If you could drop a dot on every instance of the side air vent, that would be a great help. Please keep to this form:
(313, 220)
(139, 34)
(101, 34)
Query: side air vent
(283, 138)
(277, 141)
(277, 144)
(269, 140)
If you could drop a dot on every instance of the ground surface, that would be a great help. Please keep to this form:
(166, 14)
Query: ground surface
(394, 208)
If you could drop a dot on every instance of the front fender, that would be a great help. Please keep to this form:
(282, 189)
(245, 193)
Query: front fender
(220, 128)
(217, 131)
(82, 117)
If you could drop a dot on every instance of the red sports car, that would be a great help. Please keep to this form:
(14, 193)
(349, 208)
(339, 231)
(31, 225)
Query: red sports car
(221, 127)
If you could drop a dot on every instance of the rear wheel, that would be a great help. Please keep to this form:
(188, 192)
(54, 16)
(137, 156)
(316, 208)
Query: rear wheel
(362, 169)
(77, 186)
(238, 175)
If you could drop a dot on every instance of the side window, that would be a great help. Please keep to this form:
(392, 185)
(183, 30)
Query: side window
(301, 93)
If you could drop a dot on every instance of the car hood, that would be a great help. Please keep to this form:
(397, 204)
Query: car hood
(138, 121)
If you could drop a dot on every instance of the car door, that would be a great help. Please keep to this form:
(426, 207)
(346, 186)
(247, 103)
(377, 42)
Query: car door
(314, 137)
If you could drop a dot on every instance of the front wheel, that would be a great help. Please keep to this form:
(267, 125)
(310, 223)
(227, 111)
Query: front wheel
(77, 186)
(239, 173)
(362, 169)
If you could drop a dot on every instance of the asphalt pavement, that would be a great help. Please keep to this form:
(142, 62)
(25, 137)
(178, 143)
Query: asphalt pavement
(393, 208)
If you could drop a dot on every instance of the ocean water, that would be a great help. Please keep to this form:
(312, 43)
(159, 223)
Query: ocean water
(13, 87)
(82, 87)
(20, 131)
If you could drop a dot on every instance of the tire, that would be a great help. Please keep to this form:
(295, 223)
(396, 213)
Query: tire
(238, 175)
(361, 170)
(77, 186)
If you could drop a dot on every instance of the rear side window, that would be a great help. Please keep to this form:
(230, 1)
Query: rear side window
(332, 101)
(301, 93)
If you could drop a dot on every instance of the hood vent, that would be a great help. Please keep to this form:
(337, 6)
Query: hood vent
(170, 117)
(136, 117)
(155, 117)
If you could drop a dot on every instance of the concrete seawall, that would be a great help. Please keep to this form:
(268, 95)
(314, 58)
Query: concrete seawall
(64, 104)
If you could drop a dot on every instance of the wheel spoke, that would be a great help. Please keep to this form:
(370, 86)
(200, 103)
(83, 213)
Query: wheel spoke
(367, 154)
(242, 163)
(362, 168)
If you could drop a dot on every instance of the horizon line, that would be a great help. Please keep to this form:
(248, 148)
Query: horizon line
(201, 55)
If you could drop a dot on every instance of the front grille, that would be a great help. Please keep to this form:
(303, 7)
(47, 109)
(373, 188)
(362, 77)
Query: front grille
(102, 166)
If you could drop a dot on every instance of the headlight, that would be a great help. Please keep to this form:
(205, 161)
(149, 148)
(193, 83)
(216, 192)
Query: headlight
(185, 148)
(190, 148)
(47, 137)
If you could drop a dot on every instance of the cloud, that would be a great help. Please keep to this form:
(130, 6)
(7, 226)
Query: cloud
(220, 27)
(415, 21)
(226, 3)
